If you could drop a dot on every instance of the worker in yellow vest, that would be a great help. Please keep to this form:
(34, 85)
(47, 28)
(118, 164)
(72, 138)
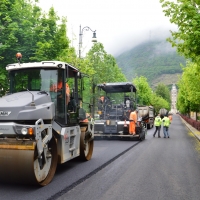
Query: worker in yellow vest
(157, 124)
(166, 123)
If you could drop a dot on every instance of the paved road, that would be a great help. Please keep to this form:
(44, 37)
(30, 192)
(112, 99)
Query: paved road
(155, 169)
(69, 174)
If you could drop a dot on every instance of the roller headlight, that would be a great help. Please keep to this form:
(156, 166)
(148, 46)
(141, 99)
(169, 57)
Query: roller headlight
(24, 131)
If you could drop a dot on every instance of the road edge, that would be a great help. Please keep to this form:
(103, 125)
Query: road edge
(195, 132)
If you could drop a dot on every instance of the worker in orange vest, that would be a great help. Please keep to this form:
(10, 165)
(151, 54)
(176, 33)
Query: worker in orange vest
(170, 118)
(133, 122)
(58, 87)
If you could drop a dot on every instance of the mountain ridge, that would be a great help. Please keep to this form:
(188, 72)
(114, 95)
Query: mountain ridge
(152, 59)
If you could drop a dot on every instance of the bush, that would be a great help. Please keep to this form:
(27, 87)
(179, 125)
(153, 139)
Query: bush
(193, 123)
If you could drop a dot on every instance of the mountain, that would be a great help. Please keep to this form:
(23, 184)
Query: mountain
(156, 60)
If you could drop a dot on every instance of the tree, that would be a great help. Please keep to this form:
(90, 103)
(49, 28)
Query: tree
(158, 102)
(144, 92)
(16, 24)
(185, 14)
(38, 36)
(147, 97)
(189, 94)
(52, 42)
(103, 65)
(163, 91)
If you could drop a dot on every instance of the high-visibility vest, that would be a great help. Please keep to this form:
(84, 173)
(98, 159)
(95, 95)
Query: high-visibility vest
(133, 116)
(166, 121)
(157, 121)
(59, 86)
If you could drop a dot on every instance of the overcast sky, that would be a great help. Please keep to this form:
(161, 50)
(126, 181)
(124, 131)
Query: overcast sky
(119, 24)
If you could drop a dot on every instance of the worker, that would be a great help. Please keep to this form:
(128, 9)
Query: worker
(133, 122)
(166, 123)
(128, 103)
(102, 99)
(58, 87)
(170, 118)
(100, 103)
(157, 124)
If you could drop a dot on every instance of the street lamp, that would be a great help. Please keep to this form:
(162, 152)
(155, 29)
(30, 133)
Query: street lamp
(94, 38)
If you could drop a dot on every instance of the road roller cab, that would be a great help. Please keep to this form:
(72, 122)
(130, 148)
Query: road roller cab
(40, 124)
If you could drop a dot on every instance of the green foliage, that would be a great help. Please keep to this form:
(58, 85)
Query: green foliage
(105, 68)
(101, 67)
(158, 102)
(163, 91)
(52, 42)
(185, 14)
(147, 97)
(38, 36)
(189, 94)
(144, 91)
(150, 59)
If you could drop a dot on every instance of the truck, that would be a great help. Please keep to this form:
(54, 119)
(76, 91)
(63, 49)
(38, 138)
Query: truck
(115, 102)
(147, 113)
(38, 129)
(163, 112)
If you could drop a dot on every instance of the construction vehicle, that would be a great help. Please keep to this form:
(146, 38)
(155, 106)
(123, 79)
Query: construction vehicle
(147, 113)
(38, 130)
(163, 112)
(115, 102)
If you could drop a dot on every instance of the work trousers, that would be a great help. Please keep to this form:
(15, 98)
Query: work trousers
(157, 130)
(132, 127)
(166, 131)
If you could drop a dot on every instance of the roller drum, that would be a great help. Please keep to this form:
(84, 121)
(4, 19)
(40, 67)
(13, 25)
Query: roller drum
(19, 162)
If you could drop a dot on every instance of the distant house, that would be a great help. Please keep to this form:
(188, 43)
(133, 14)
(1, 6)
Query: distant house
(174, 94)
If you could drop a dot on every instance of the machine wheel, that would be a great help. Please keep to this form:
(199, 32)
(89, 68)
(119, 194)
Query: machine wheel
(21, 165)
(44, 177)
(142, 136)
(86, 147)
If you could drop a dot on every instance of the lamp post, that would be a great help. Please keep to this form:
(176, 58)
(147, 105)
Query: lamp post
(94, 38)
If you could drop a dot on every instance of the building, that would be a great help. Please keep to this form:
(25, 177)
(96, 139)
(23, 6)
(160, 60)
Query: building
(174, 94)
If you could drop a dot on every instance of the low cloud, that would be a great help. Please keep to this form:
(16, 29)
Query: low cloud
(123, 44)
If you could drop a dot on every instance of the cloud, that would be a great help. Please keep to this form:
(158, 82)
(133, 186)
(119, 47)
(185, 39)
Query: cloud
(119, 25)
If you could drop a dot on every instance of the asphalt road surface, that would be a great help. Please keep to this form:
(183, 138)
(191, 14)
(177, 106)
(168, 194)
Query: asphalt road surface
(69, 174)
(156, 168)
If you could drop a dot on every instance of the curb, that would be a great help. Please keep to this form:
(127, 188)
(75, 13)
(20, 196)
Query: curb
(195, 132)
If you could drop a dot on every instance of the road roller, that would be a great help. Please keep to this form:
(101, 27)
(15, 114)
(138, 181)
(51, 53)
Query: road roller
(42, 122)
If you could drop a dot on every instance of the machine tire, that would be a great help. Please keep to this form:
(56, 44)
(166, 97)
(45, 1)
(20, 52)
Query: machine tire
(86, 148)
(142, 136)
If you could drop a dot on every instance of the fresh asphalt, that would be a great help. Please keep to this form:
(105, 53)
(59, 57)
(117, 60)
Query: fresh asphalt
(156, 168)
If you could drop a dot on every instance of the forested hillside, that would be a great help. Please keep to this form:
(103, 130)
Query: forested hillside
(153, 59)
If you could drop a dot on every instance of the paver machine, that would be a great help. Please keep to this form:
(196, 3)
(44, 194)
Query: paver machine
(38, 129)
(115, 102)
